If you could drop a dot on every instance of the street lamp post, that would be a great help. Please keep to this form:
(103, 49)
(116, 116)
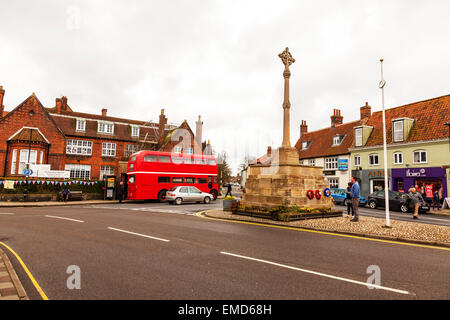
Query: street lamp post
(386, 177)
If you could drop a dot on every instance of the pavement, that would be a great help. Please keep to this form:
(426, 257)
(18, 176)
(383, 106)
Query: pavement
(10, 285)
(12, 204)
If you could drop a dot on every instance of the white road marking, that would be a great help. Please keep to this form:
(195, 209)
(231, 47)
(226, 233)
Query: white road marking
(75, 220)
(318, 273)
(9, 213)
(139, 234)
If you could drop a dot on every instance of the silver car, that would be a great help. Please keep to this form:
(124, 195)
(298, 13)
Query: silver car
(179, 194)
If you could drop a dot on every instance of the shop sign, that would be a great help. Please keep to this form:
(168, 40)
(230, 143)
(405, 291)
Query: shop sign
(377, 173)
(416, 173)
(329, 173)
(343, 164)
(9, 184)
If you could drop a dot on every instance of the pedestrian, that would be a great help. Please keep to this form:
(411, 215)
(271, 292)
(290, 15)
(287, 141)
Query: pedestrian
(65, 194)
(121, 190)
(440, 195)
(355, 194)
(435, 199)
(417, 199)
(349, 200)
(228, 190)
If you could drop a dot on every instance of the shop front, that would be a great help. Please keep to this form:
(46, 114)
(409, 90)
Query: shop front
(371, 180)
(429, 179)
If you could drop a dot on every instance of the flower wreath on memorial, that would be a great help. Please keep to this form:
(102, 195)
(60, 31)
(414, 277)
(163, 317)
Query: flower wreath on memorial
(327, 192)
(310, 194)
(318, 194)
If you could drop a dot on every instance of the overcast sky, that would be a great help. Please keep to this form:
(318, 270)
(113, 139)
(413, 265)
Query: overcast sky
(219, 59)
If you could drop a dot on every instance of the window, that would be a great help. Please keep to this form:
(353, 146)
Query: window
(189, 151)
(373, 160)
(420, 156)
(194, 190)
(133, 158)
(188, 161)
(79, 147)
(81, 125)
(24, 159)
(358, 137)
(184, 190)
(79, 171)
(163, 179)
(106, 171)
(108, 149)
(305, 145)
(398, 158)
(212, 162)
(201, 180)
(177, 150)
(312, 162)
(331, 163)
(14, 161)
(357, 160)
(337, 140)
(130, 149)
(104, 127)
(189, 180)
(164, 159)
(398, 130)
(135, 131)
(200, 161)
(333, 183)
(41, 157)
(177, 180)
(150, 158)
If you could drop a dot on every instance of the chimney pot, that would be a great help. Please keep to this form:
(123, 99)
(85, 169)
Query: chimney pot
(336, 118)
(269, 151)
(104, 111)
(365, 111)
(2, 94)
(303, 128)
(58, 105)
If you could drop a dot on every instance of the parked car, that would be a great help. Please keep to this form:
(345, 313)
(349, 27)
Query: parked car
(397, 201)
(340, 197)
(181, 194)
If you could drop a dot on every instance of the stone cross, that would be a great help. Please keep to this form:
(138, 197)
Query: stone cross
(286, 58)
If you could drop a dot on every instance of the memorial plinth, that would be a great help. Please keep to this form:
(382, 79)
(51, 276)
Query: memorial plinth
(285, 182)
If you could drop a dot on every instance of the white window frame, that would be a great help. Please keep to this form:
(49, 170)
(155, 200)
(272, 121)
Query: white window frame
(81, 125)
(177, 149)
(331, 163)
(420, 156)
(358, 137)
(79, 147)
(79, 171)
(397, 156)
(108, 149)
(14, 161)
(105, 127)
(135, 131)
(312, 162)
(357, 160)
(130, 149)
(335, 182)
(398, 133)
(337, 140)
(106, 170)
(189, 151)
(378, 159)
(305, 145)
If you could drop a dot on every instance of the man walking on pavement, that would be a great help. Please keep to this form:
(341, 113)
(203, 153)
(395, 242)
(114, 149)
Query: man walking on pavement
(355, 194)
(228, 190)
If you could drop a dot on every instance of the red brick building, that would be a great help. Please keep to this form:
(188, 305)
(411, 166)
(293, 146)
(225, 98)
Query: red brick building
(89, 145)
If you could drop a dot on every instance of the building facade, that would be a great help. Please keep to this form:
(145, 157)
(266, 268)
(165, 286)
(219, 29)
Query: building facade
(417, 148)
(90, 146)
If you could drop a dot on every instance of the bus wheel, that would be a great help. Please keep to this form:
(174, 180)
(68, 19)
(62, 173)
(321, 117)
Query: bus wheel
(178, 201)
(214, 194)
(162, 195)
(207, 200)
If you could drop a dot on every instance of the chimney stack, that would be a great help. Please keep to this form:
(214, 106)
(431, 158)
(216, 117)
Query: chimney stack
(336, 118)
(199, 130)
(161, 126)
(104, 111)
(303, 128)
(269, 151)
(365, 111)
(64, 103)
(2, 94)
(58, 105)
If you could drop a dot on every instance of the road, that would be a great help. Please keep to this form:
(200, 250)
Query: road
(158, 251)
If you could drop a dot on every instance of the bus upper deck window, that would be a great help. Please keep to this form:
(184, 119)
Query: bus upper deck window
(164, 159)
(177, 160)
(212, 162)
(150, 158)
(133, 158)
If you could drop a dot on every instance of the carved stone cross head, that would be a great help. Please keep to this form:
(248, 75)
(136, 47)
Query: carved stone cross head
(286, 57)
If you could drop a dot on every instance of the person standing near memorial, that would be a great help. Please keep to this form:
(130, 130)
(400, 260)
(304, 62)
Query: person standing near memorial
(355, 194)
(349, 200)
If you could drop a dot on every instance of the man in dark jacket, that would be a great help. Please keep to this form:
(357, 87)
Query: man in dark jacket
(228, 190)
(349, 200)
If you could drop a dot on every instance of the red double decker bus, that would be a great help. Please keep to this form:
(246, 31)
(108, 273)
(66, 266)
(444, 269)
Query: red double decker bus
(151, 174)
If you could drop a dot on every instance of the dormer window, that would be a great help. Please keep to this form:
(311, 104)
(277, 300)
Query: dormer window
(398, 130)
(135, 132)
(358, 137)
(305, 145)
(105, 127)
(337, 139)
(81, 125)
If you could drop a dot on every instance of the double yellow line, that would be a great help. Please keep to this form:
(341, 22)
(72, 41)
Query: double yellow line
(33, 280)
